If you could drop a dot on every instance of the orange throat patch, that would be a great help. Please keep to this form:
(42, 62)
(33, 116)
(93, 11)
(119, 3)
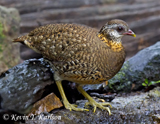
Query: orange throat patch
(115, 46)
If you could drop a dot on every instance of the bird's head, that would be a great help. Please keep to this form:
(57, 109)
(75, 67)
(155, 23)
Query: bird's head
(115, 29)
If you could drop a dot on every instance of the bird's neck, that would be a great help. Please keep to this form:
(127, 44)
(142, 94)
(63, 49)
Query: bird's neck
(116, 46)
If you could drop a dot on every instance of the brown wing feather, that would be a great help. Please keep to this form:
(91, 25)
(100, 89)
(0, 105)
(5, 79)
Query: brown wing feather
(75, 51)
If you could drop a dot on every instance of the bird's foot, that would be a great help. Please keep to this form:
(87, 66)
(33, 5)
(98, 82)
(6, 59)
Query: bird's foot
(92, 102)
(73, 107)
(99, 105)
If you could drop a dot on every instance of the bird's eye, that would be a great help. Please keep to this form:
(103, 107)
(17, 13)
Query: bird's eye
(120, 28)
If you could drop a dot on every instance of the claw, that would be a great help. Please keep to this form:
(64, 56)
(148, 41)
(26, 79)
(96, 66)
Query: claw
(73, 107)
(106, 103)
(90, 99)
(94, 110)
(99, 105)
(93, 103)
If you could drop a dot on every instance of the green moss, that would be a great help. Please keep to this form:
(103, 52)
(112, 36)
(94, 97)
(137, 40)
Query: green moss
(150, 63)
(120, 81)
(1, 31)
(157, 57)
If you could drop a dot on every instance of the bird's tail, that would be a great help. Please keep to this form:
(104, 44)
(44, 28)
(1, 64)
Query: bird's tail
(25, 40)
(20, 39)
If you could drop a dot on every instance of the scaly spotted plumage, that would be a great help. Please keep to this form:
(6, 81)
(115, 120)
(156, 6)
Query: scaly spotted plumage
(80, 54)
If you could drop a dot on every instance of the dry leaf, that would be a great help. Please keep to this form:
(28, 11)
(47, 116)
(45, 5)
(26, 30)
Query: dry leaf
(46, 104)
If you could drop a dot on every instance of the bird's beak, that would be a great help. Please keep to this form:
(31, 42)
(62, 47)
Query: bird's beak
(130, 32)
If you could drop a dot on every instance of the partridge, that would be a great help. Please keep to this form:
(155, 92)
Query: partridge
(80, 54)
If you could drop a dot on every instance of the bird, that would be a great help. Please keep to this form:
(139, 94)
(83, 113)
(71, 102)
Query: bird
(80, 54)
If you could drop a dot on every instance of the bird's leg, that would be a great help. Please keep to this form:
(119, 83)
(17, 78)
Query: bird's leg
(92, 102)
(65, 101)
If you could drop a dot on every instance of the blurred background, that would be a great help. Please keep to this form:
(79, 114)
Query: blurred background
(18, 17)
